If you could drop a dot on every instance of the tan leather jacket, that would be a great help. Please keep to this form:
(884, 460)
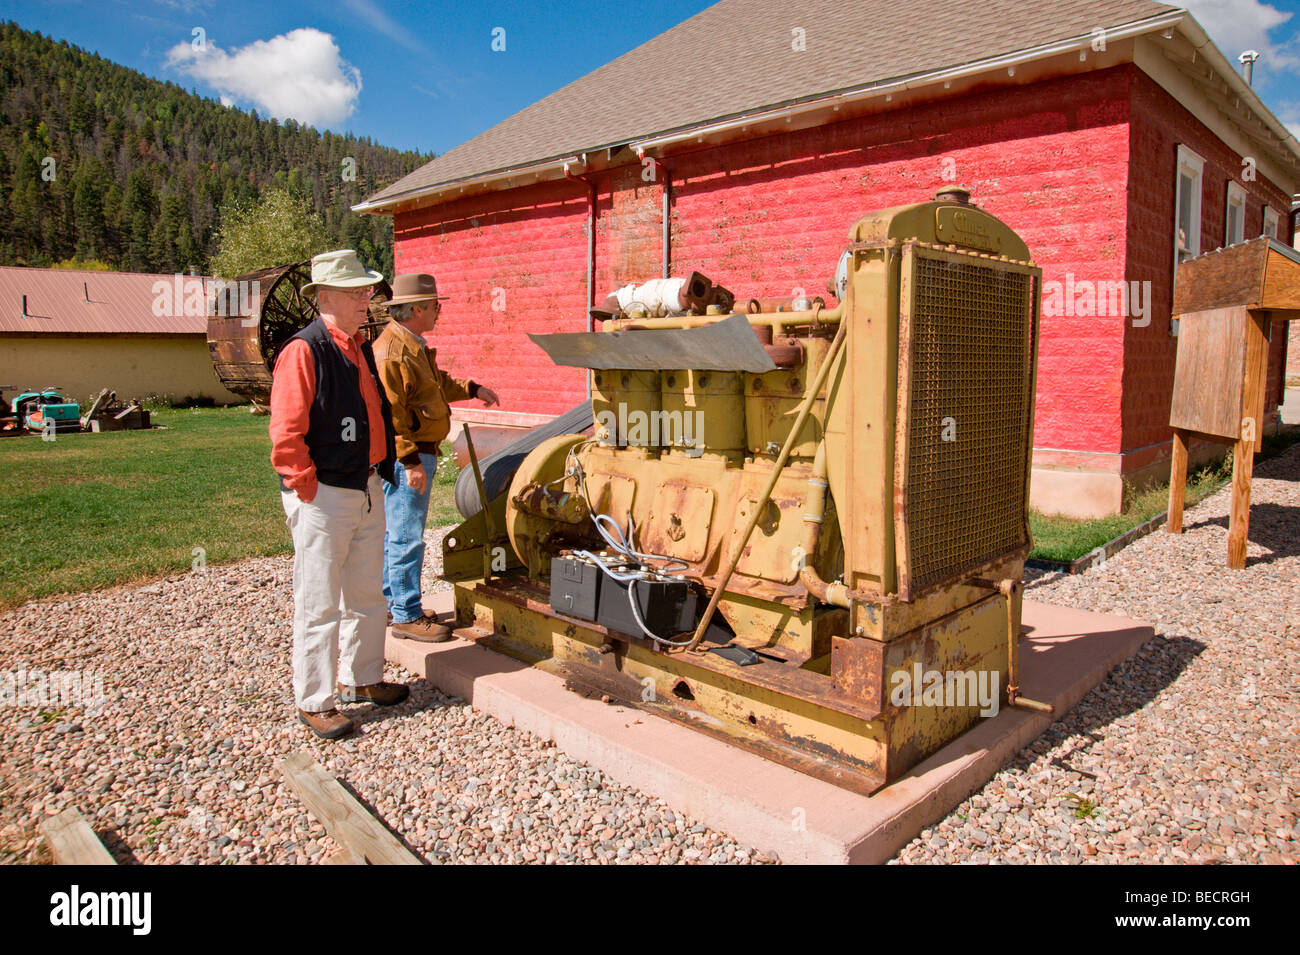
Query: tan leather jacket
(418, 391)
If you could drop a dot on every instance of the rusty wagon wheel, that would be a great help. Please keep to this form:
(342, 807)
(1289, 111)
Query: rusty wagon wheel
(250, 324)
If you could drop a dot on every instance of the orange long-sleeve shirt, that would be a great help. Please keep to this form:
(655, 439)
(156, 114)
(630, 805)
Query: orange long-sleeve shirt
(293, 389)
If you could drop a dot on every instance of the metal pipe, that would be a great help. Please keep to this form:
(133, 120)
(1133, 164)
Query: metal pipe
(829, 593)
(804, 410)
(484, 504)
(1012, 590)
(775, 320)
(666, 214)
(591, 253)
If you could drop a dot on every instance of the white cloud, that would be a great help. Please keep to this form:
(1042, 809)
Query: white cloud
(367, 12)
(298, 75)
(1239, 25)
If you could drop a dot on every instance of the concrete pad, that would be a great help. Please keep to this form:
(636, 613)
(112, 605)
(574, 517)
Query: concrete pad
(1063, 653)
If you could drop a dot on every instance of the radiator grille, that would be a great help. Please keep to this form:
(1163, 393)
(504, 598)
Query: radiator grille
(969, 348)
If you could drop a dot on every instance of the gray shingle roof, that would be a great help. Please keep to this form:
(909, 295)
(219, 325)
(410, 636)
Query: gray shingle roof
(738, 56)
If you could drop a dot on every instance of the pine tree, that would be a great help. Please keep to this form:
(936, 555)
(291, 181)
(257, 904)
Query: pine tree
(139, 140)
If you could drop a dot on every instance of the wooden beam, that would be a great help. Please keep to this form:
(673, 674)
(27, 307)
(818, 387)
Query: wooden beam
(1177, 482)
(1251, 438)
(73, 842)
(344, 818)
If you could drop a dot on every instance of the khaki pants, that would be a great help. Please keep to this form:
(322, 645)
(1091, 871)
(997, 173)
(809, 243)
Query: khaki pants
(338, 599)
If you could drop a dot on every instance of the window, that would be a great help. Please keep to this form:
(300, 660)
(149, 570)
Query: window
(1187, 207)
(1234, 229)
(1270, 222)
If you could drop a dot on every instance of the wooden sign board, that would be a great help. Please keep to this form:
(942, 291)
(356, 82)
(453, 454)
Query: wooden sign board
(1261, 273)
(1226, 302)
(1211, 372)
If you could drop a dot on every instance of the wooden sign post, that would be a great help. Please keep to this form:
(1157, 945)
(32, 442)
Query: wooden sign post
(1226, 302)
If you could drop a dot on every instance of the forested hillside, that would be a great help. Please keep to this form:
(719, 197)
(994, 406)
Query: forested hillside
(100, 162)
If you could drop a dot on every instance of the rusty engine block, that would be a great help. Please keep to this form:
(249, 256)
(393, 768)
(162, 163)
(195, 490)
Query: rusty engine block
(784, 519)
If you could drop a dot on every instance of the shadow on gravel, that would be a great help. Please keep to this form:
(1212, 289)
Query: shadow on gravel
(1127, 688)
(424, 696)
(379, 817)
(1272, 526)
(118, 848)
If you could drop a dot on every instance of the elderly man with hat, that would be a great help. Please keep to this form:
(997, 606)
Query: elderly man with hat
(331, 441)
(418, 392)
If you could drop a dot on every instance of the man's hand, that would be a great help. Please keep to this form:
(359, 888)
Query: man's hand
(487, 396)
(417, 478)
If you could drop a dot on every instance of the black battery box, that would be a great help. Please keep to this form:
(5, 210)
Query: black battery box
(575, 586)
(581, 589)
(667, 606)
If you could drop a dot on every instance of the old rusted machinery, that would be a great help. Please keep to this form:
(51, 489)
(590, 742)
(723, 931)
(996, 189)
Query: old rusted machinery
(251, 317)
(783, 518)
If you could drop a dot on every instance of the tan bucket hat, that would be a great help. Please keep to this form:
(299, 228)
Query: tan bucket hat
(339, 269)
(414, 287)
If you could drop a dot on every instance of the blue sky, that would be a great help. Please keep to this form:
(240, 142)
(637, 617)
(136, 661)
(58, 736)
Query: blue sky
(426, 76)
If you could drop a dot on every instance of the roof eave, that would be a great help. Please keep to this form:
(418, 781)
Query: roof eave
(1163, 22)
(1206, 47)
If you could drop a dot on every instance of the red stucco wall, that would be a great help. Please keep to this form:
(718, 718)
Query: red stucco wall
(1052, 159)
(1049, 159)
(510, 263)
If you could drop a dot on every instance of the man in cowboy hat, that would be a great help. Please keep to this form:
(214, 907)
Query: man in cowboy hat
(331, 441)
(418, 392)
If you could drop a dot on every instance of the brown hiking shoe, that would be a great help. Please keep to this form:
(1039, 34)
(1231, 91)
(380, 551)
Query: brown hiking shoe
(381, 694)
(330, 724)
(427, 630)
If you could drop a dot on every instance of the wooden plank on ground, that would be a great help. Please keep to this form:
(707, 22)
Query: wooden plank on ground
(344, 818)
(73, 842)
(344, 856)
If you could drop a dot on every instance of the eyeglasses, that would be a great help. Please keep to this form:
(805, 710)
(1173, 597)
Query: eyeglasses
(362, 291)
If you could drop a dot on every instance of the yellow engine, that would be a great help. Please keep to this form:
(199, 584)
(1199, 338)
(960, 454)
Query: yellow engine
(801, 531)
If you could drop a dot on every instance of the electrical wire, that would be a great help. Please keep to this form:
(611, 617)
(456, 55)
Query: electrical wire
(642, 571)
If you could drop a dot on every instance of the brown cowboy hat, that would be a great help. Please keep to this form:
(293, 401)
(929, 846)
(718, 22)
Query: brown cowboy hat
(414, 287)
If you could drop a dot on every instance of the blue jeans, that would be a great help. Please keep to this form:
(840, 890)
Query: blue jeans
(405, 513)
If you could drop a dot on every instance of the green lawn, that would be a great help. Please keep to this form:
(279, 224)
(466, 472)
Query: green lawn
(92, 510)
(1064, 539)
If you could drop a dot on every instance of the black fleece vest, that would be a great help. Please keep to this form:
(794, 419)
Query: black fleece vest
(338, 436)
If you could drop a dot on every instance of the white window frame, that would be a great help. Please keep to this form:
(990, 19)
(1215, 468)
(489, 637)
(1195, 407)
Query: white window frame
(1272, 222)
(1237, 199)
(1192, 164)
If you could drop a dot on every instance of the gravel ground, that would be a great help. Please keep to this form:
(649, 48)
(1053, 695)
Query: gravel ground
(181, 764)
(1187, 752)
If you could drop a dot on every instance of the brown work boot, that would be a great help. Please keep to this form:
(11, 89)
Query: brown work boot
(381, 694)
(330, 724)
(427, 630)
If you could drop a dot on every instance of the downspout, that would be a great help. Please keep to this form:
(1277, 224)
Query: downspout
(591, 253)
(666, 212)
